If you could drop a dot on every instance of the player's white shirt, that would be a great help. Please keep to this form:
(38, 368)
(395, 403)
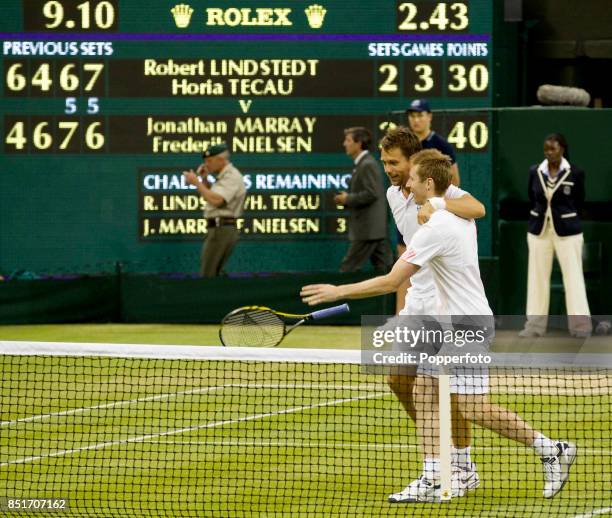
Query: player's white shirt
(448, 244)
(404, 212)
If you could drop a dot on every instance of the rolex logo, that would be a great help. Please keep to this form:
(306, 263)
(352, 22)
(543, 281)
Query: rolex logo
(182, 15)
(315, 14)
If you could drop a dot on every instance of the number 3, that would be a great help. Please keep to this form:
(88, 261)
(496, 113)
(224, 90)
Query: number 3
(424, 72)
(462, 15)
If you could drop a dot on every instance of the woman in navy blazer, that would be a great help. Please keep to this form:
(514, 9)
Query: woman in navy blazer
(556, 192)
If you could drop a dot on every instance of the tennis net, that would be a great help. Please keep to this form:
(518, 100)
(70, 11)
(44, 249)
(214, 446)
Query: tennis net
(137, 430)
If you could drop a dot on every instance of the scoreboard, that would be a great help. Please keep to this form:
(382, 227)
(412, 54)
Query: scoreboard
(106, 102)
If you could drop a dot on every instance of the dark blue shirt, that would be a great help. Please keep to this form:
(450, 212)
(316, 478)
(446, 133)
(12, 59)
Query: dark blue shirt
(435, 141)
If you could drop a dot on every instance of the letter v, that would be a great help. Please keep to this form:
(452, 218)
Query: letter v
(245, 105)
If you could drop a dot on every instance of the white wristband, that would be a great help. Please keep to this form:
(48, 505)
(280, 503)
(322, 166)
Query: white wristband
(437, 203)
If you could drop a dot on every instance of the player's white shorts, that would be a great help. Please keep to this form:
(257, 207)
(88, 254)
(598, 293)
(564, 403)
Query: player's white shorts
(463, 380)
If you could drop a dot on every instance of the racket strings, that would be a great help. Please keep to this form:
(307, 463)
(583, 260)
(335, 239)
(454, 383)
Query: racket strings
(252, 328)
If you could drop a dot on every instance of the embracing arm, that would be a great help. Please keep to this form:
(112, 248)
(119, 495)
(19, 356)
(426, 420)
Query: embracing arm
(466, 207)
(319, 293)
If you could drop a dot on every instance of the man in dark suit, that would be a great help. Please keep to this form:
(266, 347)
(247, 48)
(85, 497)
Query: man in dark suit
(366, 203)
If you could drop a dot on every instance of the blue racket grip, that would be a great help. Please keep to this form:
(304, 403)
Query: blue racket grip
(330, 312)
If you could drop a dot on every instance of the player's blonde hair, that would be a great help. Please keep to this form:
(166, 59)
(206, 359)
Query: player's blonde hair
(433, 164)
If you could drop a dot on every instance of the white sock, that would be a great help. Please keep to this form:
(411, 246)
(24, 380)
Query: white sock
(544, 447)
(461, 457)
(431, 469)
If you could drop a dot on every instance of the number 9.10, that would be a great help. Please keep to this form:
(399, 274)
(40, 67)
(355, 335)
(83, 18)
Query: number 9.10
(100, 15)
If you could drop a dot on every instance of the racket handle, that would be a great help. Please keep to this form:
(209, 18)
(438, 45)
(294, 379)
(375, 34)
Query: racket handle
(330, 312)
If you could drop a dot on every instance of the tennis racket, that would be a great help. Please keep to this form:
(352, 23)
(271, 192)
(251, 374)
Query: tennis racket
(258, 326)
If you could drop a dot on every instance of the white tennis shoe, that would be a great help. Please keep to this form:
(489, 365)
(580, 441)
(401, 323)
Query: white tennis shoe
(425, 490)
(419, 490)
(467, 476)
(557, 468)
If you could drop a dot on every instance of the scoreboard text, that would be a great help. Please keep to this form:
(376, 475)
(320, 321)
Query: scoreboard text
(134, 92)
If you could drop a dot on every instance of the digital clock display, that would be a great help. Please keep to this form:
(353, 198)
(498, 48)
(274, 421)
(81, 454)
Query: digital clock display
(70, 15)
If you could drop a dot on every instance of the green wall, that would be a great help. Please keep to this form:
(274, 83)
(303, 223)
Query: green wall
(137, 298)
(520, 138)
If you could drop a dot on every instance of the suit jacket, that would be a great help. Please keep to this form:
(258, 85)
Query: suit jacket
(566, 202)
(366, 201)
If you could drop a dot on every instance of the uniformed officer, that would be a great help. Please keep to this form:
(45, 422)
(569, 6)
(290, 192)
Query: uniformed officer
(556, 192)
(224, 205)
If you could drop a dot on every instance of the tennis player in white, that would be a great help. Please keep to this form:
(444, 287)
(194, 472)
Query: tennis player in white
(448, 244)
(397, 147)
